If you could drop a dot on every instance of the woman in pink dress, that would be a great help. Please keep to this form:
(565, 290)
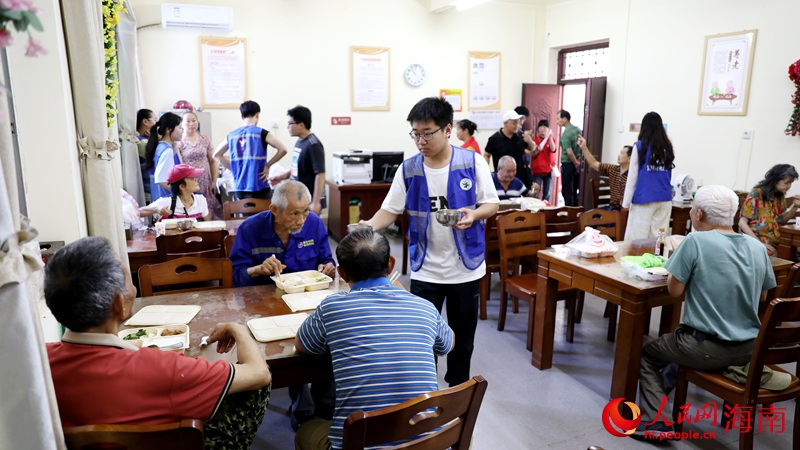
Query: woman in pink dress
(196, 150)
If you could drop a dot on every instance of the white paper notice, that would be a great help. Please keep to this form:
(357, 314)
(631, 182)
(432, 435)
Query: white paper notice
(370, 78)
(484, 81)
(487, 119)
(224, 80)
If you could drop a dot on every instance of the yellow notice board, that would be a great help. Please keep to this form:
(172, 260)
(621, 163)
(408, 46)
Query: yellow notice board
(223, 71)
(369, 79)
(484, 80)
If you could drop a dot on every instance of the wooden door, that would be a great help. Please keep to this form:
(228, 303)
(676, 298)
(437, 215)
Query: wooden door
(543, 101)
(593, 122)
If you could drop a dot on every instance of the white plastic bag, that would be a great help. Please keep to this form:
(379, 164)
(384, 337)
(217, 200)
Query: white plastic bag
(592, 244)
(651, 274)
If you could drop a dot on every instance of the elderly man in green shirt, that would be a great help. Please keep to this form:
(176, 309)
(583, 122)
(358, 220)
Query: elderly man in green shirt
(570, 159)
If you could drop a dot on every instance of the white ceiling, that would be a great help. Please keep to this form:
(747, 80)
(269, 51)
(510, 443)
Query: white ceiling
(535, 2)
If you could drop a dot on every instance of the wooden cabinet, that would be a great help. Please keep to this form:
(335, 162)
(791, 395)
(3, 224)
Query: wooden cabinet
(370, 197)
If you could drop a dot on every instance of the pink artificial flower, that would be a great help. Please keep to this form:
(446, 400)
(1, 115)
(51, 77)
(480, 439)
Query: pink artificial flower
(797, 68)
(27, 4)
(14, 5)
(5, 38)
(34, 48)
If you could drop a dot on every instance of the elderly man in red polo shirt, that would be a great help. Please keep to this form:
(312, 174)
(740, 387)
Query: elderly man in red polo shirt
(101, 379)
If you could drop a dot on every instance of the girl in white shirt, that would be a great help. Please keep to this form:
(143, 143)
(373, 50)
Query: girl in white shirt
(184, 201)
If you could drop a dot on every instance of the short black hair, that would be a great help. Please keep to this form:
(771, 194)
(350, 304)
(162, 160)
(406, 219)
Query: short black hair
(564, 114)
(363, 254)
(466, 124)
(142, 115)
(249, 109)
(436, 109)
(300, 114)
(543, 123)
(629, 148)
(522, 110)
(81, 281)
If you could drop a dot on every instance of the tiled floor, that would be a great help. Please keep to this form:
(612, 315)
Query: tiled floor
(560, 408)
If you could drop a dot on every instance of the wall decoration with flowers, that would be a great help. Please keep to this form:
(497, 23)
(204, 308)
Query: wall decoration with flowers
(794, 122)
(112, 9)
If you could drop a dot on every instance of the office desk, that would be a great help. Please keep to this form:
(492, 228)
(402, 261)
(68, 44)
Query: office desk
(142, 249)
(604, 278)
(239, 305)
(370, 195)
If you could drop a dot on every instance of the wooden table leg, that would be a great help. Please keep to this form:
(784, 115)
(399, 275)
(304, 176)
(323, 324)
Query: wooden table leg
(545, 318)
(628, 352)
(670, 318)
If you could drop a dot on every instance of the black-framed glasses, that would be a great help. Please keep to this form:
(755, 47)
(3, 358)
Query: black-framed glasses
(427, 136)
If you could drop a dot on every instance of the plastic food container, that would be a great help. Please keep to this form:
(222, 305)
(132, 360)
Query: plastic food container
(175, 339)
(309, 280)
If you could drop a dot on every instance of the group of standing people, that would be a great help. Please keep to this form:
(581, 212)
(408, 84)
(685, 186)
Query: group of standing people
(169, 141)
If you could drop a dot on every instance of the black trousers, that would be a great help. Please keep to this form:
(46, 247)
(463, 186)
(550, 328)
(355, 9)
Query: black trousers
(570, 179)
(462, 316)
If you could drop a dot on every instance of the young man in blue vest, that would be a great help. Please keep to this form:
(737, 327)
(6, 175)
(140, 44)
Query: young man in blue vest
(446, 263)
(248, 154)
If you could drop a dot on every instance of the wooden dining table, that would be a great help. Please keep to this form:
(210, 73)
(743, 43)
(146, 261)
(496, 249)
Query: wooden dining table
(142, 248)
(239, 305)
(604, 277)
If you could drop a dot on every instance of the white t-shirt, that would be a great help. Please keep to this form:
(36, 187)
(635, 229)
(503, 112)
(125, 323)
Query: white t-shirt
(440, 265)
(198, 209)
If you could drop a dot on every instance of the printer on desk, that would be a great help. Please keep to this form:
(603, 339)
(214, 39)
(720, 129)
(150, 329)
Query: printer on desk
(365, 166)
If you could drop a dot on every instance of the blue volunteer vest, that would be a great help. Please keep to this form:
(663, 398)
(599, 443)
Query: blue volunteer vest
(653, 183)
(248, 157)
(461, 193)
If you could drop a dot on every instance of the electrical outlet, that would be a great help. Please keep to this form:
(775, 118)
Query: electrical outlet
(275, 124)
(747, 134)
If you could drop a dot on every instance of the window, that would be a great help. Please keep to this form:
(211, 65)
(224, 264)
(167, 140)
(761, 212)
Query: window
(581, 63)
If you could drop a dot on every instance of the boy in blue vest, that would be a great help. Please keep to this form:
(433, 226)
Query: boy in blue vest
(447, 263)
(248, 154)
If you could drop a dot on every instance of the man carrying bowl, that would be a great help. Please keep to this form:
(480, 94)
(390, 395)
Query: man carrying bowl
(447, 263)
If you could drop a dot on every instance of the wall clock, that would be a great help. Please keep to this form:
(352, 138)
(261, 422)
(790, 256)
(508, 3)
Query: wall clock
(415, 75)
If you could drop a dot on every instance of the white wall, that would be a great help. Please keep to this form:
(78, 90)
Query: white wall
(656, 51)
(46, 126)
(298, 53)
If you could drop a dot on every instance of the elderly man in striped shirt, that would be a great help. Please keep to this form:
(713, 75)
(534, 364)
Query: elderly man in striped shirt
(382, 339)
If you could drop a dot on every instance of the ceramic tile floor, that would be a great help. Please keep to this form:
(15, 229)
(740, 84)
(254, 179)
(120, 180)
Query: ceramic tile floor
(525, 408)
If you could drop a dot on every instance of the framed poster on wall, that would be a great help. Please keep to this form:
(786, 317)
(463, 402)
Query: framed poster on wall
(223, 72)
(727, 67)
(484, 80)
(369, 79)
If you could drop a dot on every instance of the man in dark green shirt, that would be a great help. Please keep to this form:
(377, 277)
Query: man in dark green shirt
(570, 159)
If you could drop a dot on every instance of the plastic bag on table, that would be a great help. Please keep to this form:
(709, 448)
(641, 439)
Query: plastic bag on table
(647, 267)
(592, 244)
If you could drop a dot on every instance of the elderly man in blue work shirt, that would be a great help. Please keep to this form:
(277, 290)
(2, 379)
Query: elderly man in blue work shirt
(287, 238)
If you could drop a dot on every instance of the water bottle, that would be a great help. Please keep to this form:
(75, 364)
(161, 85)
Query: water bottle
(660, 243)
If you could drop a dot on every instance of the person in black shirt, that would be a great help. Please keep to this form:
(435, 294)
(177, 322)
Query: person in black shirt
(308, 158)
(507, 142)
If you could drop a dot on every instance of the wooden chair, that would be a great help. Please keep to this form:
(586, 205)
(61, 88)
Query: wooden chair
(601, 192)
(607, 222)
(454, 411)
(228, 244)
(522, 234)
(184, 435)
(492, 259)
(207, 244)
(243, 208)
(562, 226)
(742, 197)
(183, 271)
(776, 343)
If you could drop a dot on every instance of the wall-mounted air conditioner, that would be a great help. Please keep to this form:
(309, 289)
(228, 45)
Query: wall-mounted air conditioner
(196, 16)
